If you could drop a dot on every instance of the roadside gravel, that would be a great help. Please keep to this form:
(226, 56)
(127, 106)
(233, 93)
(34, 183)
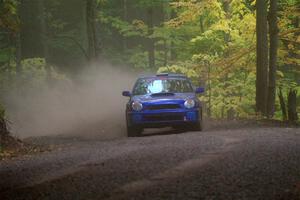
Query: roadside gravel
(246, 162)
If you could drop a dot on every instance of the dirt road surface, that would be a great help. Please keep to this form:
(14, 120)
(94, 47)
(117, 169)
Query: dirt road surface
(218, 163)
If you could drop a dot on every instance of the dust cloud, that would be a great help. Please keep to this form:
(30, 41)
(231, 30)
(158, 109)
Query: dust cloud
(92, 106)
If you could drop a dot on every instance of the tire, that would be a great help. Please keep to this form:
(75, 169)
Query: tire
(198, 126)
(180, 129)
(133, 131)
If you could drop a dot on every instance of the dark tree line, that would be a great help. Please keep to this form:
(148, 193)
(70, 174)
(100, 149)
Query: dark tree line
(266, 51)
(71, 34)
(38, 35)
(77, 23)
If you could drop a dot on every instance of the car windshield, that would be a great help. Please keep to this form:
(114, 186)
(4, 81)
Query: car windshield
(162, 85)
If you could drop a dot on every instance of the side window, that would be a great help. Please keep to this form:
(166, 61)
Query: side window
(187, 86)
(140, 87)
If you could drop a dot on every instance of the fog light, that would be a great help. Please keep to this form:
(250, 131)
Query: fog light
(136, 118)
(191, 116)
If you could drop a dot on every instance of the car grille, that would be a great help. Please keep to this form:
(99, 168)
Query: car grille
(163, 106)
(163, 117)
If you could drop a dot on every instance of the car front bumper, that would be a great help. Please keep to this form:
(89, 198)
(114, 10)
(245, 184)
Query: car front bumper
(159, 118)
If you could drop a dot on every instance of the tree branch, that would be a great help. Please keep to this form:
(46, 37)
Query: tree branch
(75, 42)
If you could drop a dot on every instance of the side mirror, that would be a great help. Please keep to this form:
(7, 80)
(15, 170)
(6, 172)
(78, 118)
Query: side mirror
(126, 94)
(200, 90)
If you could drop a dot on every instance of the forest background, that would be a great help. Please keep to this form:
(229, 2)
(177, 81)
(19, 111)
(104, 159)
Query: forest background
(246, 53)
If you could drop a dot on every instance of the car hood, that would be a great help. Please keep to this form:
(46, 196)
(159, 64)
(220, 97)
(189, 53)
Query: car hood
(175, 97)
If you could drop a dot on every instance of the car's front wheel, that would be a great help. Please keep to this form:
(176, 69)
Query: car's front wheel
(198, 126)
(133, 131)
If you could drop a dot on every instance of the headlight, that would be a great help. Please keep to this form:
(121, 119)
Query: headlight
(137, 106)
(190, 103)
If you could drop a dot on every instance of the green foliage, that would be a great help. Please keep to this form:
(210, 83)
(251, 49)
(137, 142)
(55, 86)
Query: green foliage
(135, 28)
(215, 54)
(236, 93)
(214, 43)
(183, 69)
(8, 15)
(139, 60)
(5, 55)
(147, 4)
(211, 41)
(34, 75)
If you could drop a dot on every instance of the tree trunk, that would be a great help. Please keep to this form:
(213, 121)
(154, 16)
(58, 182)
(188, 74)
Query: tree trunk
(292, 106)
(151, 42)
(273, 31)
(201, 25)
(282, 105)
(227, 9)
(231, 114)
(165, 53)
(44, 36)
(173, 55)
(166, 18)
(125, 18)
(3, 127)
(30, 29)
(262, 57)
(91, 29)
(18, 55)
(209, 90)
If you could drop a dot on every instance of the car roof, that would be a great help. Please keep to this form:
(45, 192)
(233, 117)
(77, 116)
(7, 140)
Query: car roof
(171, 75)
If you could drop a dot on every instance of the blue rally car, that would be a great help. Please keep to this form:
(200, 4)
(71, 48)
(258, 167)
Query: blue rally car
(163, 100)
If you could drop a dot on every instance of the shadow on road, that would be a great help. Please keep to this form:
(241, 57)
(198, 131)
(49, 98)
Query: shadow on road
(161, 131)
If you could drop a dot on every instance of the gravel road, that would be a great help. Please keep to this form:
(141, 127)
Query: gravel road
(222, 163)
